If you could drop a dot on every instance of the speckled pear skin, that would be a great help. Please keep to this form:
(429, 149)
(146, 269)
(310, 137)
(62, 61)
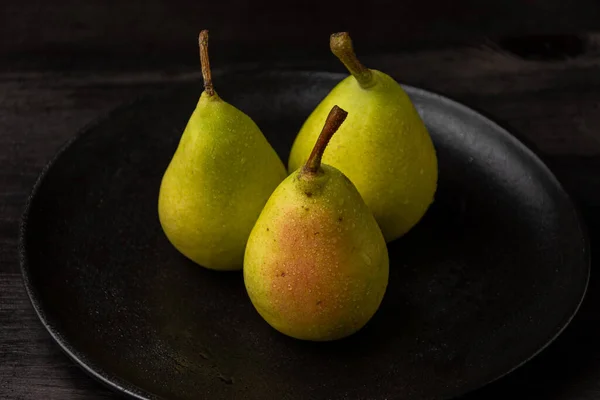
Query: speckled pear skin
(218, 181)
(383, 147)
(316, 265)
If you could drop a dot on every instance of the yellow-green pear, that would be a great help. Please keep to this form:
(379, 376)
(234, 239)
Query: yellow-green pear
(316, 265)
(218, 180)
(383, 147)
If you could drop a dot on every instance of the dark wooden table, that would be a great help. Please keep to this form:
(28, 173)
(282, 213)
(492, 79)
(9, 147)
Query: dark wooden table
(64, 64)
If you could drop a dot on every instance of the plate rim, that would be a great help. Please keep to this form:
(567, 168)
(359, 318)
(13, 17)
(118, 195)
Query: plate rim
(123, 386)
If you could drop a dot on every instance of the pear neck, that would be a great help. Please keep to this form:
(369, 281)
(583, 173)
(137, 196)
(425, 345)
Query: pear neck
(311, 185)
(210, 97)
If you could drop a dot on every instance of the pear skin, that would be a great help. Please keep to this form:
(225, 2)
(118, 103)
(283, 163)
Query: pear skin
(383, 147)
(316, 265)
(218, 181)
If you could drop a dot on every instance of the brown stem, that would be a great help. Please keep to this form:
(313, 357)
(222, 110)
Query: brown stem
(332, 124)
(205, 63)
(341, 46)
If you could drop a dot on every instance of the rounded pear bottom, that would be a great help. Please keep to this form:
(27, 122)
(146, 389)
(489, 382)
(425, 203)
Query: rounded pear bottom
(315, 334)
(316, 265)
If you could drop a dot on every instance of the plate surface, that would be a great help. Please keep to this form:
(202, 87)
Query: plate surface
(492, 274)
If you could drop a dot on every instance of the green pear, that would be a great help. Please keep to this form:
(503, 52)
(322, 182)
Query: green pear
(383, 147)
(218, 180)
(316, 265)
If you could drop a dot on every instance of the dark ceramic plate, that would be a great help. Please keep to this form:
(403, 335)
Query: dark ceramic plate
(493, 273)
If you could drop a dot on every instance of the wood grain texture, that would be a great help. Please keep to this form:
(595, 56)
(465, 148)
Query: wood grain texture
(32, 367)
(552, 103)
(160, 27)
(64, 34)
(37, 115)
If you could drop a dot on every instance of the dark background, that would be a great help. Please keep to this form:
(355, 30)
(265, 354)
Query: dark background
(161, 33)
(533, 65)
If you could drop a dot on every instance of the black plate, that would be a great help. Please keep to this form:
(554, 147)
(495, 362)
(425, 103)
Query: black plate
(494, 272)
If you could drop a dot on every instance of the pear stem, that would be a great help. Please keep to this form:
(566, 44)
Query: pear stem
(341, 46)
(334, 120)
(205, 63)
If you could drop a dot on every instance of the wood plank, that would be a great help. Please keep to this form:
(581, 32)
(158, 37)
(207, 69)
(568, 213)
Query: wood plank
(32, 366)
(141, 26)
(67, 33)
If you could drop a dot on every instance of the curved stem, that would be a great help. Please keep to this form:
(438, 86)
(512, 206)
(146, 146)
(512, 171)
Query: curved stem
(341, 45)
(334, 120)
(205, 63)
